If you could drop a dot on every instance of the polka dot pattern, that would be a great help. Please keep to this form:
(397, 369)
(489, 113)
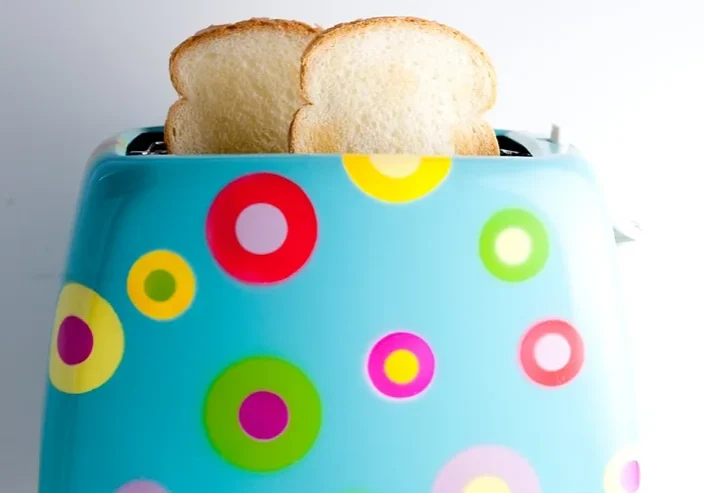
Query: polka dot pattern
(262, 228)
(278, 410)
(161, 285)
(552, 353)
(263, 414)
(87, 341)
(487, 469)
(396, 178)
(514, 245)
(622, 474)
(401, 365)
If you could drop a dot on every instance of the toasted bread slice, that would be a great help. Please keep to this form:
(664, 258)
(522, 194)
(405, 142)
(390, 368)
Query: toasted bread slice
(239, 87)
(395, 85)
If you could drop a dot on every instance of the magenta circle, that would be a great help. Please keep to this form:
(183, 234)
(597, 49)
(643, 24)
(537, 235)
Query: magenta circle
(142, 486)
(263, 415)
(630, 477)
(74, 341)
(393, 342)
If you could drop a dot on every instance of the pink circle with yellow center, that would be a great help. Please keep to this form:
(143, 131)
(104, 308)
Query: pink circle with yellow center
(401, 365)
(622, 474)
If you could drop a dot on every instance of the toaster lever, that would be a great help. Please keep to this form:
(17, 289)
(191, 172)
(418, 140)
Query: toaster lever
(627, 231)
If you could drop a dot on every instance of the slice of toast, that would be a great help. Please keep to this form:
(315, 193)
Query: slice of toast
(395, 85)
(239, 87)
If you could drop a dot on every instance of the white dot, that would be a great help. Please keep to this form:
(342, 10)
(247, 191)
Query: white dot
(513, 246)
(395, 165)
(261, 229)
(552, 352)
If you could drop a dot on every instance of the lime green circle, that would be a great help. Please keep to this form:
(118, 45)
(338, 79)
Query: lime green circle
(230, 389)
(160, 285)
(528, 223)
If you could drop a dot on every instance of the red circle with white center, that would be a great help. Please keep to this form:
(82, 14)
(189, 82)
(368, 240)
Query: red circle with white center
(223, 231)
(552, 353)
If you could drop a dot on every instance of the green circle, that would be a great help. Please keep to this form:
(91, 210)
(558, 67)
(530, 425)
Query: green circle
(160, 285)
(529, 224)
(232, 387)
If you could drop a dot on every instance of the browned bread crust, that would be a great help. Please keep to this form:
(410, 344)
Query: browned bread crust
(479, 139)
(216, 32)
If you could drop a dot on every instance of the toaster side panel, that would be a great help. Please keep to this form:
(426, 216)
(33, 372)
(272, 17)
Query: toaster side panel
(340, 324)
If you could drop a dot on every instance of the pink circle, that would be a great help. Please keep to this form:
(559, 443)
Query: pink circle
(74, 341)
(630, 477)
(552, 352)
(538, 355)
(142, 486)
(488, 460)
(394, 342)
(263, 415)
(261, 228)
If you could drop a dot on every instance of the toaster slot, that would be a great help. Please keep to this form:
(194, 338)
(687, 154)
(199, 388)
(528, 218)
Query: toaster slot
(510, 147)
(149, 143)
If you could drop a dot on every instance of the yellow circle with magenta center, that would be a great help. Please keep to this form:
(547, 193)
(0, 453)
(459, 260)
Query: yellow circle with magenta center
(487, 484)
(108, 341)
(166, 263)
(396, 178)
(401, 366)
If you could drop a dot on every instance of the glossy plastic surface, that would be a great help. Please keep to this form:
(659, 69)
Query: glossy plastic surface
(320, 324)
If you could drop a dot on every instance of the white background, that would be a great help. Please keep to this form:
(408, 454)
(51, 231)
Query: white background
(624, 77)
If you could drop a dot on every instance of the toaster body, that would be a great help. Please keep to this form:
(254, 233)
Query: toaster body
(339, 324)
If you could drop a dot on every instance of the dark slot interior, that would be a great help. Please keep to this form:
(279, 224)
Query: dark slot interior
(149, 143)
(510, 147)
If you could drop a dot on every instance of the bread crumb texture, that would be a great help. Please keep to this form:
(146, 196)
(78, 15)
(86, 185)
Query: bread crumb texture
(394, 85)
(239, 87)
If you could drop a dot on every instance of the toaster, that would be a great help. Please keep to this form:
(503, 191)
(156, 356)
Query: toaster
(340, 324)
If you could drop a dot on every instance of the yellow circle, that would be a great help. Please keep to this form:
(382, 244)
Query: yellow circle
(487, 484)
(180, 271)
(614, 469)
(396, 165)
(108, 341)
(401, 366)
(396, 178)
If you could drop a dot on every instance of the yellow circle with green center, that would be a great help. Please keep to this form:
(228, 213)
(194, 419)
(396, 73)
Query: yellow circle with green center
(514, 245)
(161, 285)
(401, 366)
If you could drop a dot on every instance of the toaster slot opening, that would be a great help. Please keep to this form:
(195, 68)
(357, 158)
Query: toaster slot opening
(510, 147)
(149, 143)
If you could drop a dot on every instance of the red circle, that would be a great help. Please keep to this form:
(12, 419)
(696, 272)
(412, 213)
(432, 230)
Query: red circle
(257, 188)
(532, 368)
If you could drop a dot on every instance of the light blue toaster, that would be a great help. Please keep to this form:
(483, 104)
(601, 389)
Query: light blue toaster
(340, 324)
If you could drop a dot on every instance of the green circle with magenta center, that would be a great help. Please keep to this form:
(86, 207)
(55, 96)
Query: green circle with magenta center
(531, 226)
(160, 285)
(234, 385)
